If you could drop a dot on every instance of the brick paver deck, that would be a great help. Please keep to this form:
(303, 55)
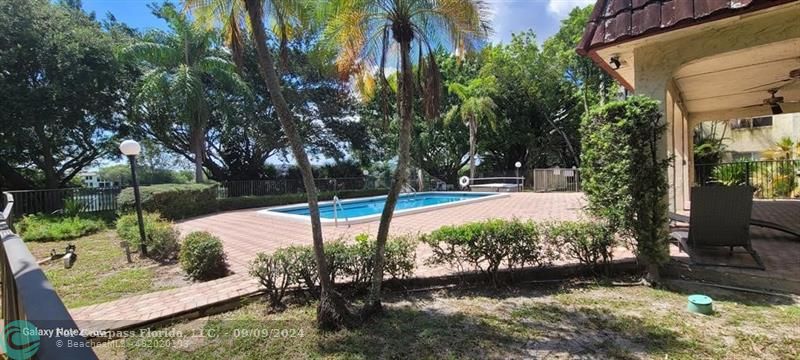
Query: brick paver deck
(245, 233)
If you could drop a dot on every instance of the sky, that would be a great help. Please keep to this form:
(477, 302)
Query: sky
(508, 16)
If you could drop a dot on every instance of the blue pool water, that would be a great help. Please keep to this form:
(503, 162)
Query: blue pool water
(373, 206)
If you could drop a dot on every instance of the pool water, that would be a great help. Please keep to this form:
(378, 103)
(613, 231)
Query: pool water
(353, 208)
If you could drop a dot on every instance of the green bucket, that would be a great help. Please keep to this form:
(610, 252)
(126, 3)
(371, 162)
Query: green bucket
(700, 304)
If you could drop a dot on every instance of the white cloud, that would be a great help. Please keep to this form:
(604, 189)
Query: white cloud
(561, 8)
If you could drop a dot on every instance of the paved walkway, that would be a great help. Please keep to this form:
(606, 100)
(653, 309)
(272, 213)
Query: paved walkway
(245, 233)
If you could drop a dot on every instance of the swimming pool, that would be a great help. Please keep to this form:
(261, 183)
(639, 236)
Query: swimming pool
(358, 210)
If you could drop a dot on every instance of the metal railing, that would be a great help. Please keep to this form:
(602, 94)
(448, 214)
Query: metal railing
(556, 179)
(28, 295)
(778, 179)
(50, 200)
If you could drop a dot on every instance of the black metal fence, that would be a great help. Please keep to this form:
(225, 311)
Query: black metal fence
(239, 188)
(88, 200)
(778, 179)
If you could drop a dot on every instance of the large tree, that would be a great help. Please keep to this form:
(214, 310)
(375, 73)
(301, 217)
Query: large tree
(367, 31)
(244, 20)
(183, 69)
(60, 89)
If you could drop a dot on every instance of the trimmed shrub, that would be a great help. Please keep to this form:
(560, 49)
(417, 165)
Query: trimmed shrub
(202, 256)
(624, 174)
(487, 245)
(589, 242)
(53, 228)
(247, 202)
(297, 266)
(172, 201)
(275, 273)
(162, 237)
(400, 256)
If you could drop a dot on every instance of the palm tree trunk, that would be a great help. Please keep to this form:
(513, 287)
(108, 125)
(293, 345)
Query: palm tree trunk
(197, 143)
(472, 140)
(404, 104)
(332, 312)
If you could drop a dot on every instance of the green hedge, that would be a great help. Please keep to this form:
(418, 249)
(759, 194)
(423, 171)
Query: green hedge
(172, 201)
(202, 256)
(162, 237)
(247, 202)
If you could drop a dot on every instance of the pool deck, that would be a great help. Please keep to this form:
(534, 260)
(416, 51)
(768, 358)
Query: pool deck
(245, 233)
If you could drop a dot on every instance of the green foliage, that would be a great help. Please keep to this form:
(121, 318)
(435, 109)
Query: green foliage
(52, 227)
(246, 202)
(731, 174)
(274, 272)
(352, 262)
(591, 243)
(61, 88)
(172, 201)
(202, 256)
(487, 245)
(623, 176)
(73, 207)
(161, 236)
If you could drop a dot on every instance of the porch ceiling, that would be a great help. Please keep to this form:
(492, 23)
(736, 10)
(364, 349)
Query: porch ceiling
(740, 79)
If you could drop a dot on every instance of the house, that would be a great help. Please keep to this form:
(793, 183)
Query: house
(703, 60)
(91, 179)
(746, 139)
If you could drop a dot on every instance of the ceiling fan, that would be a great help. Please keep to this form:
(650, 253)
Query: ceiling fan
(773, 101)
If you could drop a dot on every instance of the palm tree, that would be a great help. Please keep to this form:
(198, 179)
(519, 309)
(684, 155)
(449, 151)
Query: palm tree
(366, 32)
(476, 105)
(181, 67)
(238, 18)
(783, 150)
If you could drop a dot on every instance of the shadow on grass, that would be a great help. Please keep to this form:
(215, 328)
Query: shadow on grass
(531, 331)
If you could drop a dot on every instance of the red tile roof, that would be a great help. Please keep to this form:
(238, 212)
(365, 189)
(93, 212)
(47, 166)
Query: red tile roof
(614, 21)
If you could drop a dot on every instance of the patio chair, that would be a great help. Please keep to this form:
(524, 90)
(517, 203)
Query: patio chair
(719, 217)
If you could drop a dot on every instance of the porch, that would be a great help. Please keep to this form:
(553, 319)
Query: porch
(779, 250)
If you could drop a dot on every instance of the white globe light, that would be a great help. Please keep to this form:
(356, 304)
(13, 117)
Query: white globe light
(130, 148)
(518, 164)
(366, 172)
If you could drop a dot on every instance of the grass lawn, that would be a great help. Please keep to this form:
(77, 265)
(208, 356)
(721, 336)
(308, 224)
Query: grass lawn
(102, 272)
(588, 322)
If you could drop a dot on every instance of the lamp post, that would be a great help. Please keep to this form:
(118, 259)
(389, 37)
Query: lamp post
(366, 178)
(131, 149)
(518, 165)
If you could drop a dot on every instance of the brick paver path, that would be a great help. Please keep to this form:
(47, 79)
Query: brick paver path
(245, 233)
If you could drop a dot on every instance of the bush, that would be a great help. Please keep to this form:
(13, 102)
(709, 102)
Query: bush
(52, 227)
(172, 201)
(162, 237)
(297, 266)
(487, 245)
(731, 174)
(590, 243)
(202, 256)
(625, 176)
(275, 273)
(247, 202)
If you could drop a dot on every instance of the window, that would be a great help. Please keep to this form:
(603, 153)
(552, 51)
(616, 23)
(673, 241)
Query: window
(752, 123)
(762, 121)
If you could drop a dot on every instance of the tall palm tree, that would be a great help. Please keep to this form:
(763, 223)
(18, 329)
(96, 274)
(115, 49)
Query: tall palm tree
(181, 66)
(366, 32)
(476, 105)
(243, 19)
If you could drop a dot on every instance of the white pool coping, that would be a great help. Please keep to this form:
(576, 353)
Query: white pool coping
(272, 211)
